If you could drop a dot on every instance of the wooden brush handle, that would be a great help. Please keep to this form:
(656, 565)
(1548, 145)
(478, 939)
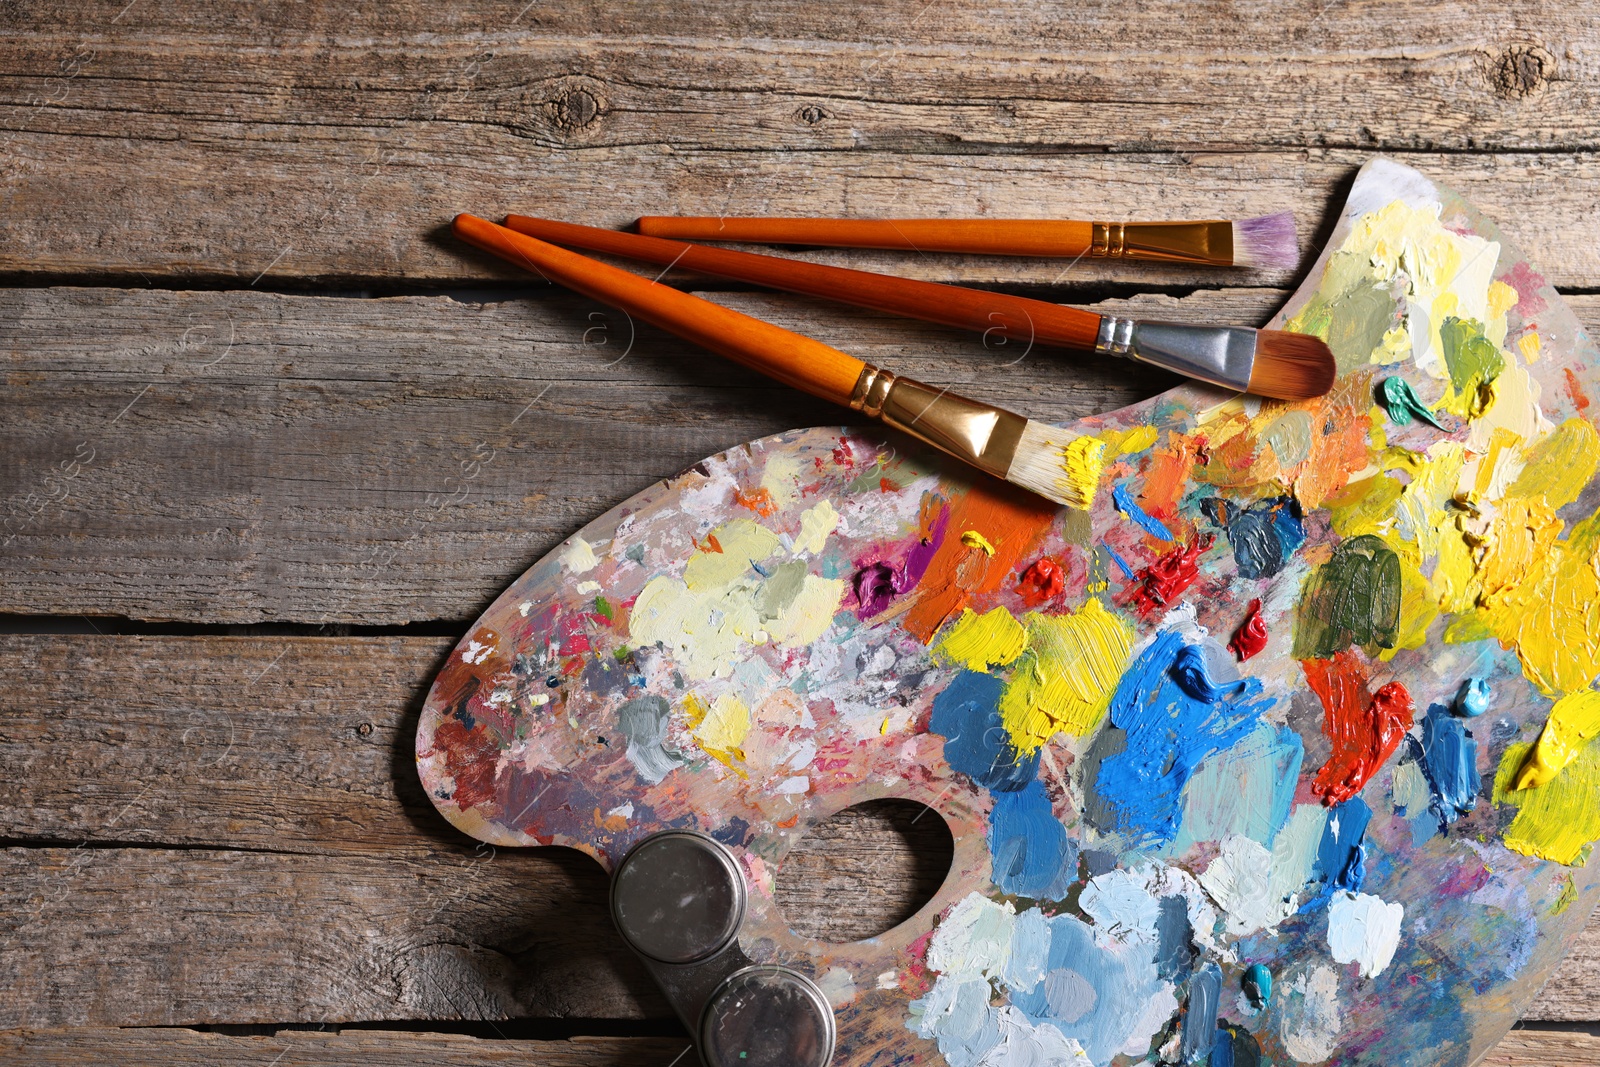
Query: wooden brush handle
(997, 237)
(784, 355)
(972, 309)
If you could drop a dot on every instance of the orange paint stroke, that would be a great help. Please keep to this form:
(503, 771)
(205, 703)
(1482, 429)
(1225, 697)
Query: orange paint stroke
(1365, 729)
(1575, 391)
(1013, 521)
(1168, 476)
(758, 500)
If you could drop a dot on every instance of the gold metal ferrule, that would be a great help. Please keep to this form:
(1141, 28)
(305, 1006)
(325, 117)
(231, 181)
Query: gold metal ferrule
(982, 434)
(1181, 242)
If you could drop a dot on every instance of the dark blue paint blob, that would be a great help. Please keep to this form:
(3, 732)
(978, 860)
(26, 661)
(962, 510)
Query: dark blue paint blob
(967, 713)
(1200, 1014)
(1174, 939)
(1341, 856)
(1166, 733)
(1191, 672)
(1033, 856)
(1450, 762)
(1235, 1047)
(1263, 536)
(732, 833)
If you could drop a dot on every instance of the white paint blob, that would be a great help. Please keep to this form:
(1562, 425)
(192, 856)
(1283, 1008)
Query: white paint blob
(1364, 929)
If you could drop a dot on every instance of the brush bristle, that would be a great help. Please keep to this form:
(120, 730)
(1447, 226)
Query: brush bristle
(1057, 464)
(1291, 366)
(1267, 242)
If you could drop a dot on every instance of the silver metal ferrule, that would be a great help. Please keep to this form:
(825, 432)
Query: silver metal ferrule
(1116, 335)
(1221, 355)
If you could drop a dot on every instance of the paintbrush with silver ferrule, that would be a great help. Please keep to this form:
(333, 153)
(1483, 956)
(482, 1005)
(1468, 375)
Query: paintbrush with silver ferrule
(1267, 241)
(1036, 456)
(1275, 363)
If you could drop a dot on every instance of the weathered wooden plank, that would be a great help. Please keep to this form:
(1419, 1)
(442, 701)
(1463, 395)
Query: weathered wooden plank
(327, 143)
(369, 206)
(357, 901)
(383, 461)
(380, 1048)
(310, 1048)
(151, 936)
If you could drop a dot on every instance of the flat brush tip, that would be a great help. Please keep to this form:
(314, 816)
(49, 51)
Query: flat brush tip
(1266, 241)
(1057, 464)
(1291, 366)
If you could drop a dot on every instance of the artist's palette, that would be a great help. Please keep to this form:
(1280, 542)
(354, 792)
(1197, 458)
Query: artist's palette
(1141, 819)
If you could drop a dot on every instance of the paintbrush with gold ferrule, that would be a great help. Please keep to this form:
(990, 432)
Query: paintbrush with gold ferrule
(1036, 456)
(1266, 241)
(1274, 363)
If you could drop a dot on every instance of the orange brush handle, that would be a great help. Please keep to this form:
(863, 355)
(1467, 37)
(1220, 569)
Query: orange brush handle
(998, 237)
(972, 309)
(790, 358)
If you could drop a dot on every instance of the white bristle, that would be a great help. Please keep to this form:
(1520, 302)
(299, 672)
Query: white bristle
(1057, 464)
(1267, 242)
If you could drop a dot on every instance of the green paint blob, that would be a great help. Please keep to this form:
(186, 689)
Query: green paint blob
(603, 607)
(1353, 599)
(1403, 404)
(1471, 358)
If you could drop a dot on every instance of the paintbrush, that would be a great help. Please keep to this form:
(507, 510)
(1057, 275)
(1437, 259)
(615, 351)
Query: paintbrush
(1275, 363)
(1265, 241)
(1036, 456)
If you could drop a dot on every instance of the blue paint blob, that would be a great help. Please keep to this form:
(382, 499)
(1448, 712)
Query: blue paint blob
(1200, 1015)
(1122, 564)
(1032, 854)
(1090, 993)
(1191, 672)
(1222, 1050)
(967, 713)
(1450, 762)
(1474, 698)
(1257, 984)
(1263, 536)
(732, 833)
(1341, 856)
(1138, 516)
(1166, 733)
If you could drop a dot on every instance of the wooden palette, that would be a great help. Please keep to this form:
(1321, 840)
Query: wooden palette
(1141, 821)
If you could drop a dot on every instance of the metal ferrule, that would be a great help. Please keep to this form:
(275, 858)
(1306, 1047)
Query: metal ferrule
(981, 434)
(1183, 242)
(1221, 355)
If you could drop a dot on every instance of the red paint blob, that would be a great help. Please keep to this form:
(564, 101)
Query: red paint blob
(1365, 731)
(1159, 584)
(470, 757)
(1044, 580)
(1251, 637)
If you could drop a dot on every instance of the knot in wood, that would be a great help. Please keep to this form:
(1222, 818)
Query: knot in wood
(811, 114)
(1521, 71)
(574, 109)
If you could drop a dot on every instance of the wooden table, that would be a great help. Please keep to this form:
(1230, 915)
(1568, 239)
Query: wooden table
(270, 438)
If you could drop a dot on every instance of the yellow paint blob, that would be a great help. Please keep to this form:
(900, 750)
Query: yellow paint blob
(816, 523)
(807, 616)
(1573, 723)
(1530, 345)
(726, 554)
(721, 728)
(1127, 442)
(983, 642)
(974, 539)
(1558, 467)
(1065, 679)
(1082, 463)
(1552, 617)
(1559, 820)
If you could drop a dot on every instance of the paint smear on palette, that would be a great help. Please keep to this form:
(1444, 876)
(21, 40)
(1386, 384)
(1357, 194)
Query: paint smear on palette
(1142, 815)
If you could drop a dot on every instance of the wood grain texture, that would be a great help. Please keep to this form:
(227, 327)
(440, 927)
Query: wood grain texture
(332, 145)
(383, 461)
(209, 816)
(309, 1048)
(380, 1048)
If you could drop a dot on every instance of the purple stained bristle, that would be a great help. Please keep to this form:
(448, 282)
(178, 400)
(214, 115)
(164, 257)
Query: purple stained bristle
(1266, 241)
